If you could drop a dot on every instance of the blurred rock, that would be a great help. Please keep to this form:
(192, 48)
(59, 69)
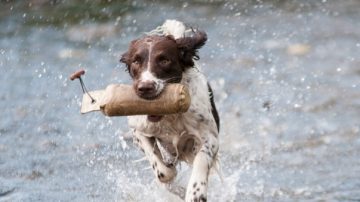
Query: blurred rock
(246, 62)
(267, 105)
(49, 128)
(298, 49)
(34, 175)
(91, 146)
(39, 2)
(91, 32)
(274, 44)
(3, 148)
(6, 191)
(71, 53)
(322, 106)
(47, 145)
(21, 112)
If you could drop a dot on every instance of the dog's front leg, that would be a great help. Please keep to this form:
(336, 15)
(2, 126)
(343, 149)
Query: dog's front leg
(162, 172)
(204, 160)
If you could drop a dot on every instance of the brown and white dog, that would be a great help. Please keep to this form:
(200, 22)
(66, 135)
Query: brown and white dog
(154, 61)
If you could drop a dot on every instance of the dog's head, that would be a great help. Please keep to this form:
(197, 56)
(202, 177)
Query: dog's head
(153, 61)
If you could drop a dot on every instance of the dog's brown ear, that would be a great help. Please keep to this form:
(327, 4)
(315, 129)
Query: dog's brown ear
(125, 57)
(189, 46)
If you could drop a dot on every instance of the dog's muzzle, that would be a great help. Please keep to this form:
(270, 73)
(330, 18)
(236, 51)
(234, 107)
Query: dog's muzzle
(146, 90)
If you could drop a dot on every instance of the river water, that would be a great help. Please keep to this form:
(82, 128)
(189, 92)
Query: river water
(286, 76)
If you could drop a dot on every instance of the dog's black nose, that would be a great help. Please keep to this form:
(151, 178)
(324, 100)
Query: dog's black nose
(146, 88)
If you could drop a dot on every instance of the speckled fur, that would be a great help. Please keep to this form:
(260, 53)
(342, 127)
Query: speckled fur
(174, 131)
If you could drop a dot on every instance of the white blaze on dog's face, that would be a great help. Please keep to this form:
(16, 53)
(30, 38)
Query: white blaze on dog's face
(148, 80)
(153, 62)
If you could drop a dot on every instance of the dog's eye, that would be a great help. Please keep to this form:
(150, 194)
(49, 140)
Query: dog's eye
(164, 62)
(137, 61)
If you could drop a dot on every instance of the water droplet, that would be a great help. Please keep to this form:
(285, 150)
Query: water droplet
(40, 75)
(297, 106)
(237, 14)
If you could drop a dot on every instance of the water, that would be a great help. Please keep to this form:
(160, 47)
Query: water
(286, 76)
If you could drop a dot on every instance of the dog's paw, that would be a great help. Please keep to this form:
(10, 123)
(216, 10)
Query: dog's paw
(200, 198)
(196, 192)
(163, 173)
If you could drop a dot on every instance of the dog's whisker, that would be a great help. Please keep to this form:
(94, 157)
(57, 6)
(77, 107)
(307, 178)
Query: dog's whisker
(147, 168)
(172, 79)
(140, 160)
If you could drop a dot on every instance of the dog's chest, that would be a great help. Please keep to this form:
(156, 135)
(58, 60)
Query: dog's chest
(182, 134)
(170, 128)
(177, 134)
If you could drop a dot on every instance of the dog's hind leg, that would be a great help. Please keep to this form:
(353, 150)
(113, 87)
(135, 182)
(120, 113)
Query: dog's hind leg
(197, 188)
(164, 173)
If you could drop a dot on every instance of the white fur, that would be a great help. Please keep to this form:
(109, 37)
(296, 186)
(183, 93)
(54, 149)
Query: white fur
(177, 124)
(150, 43)
(173, 131)
(148, 76)
(174, 27)
(197, 123)
(170, 27)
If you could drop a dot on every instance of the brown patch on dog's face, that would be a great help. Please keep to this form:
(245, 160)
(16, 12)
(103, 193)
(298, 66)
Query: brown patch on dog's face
(156, 54)
(165, 61)
(154, 61)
